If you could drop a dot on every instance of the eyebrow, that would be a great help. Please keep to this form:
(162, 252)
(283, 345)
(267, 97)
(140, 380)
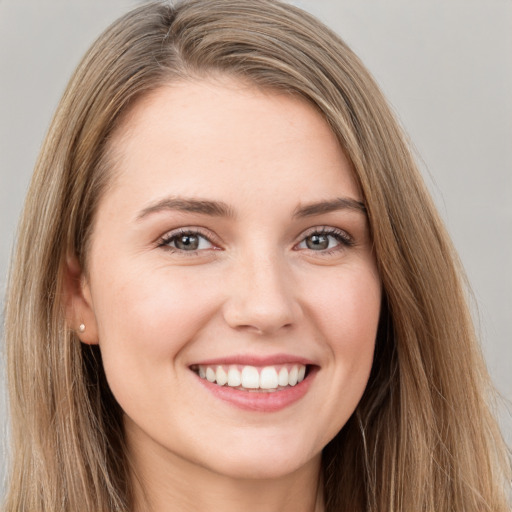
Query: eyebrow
(321, 207)
(221, 209)
(203, 206)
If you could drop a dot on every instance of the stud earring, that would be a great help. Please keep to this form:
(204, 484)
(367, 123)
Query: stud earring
(81, 327)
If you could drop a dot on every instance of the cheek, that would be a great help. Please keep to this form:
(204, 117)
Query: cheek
(151, 306)
(347, 308)
(347, 311)
(145, 320)
(355, 326)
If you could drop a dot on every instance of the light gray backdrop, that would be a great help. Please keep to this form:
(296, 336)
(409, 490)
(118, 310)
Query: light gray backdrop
(445, 65)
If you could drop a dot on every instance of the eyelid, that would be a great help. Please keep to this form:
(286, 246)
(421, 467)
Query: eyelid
(345, 239)
(165, 239)
(326, 230)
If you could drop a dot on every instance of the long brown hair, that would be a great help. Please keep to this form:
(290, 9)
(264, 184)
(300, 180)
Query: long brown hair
(422, 438)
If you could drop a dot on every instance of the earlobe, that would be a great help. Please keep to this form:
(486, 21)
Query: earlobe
(78, 303)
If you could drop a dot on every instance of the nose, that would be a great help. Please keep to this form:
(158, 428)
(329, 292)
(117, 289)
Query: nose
(262, 296)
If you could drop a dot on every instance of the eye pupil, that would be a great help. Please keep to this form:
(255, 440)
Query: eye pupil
(317, 242)
(187, 242)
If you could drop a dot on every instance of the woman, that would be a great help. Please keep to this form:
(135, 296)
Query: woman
(231, 289)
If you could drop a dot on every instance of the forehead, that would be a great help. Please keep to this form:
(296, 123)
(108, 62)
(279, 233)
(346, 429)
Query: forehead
(225, 137)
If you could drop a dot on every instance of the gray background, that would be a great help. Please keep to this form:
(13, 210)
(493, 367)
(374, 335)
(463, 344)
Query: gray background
(445, 65)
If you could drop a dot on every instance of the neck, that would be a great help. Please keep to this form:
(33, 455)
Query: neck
(164, 482)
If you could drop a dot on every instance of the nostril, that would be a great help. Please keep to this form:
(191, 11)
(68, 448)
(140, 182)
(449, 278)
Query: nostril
(261, 302)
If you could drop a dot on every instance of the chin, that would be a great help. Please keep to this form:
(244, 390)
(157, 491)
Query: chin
(257, 461)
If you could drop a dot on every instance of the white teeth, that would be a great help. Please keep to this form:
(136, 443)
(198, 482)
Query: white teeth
(283, 377)
(292, 376)
(222, 376)
(234, 377)
(210, 374)
(268, 378)
(251, 377)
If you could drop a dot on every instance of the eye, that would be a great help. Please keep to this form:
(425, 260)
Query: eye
(186, 240)
(325, 240)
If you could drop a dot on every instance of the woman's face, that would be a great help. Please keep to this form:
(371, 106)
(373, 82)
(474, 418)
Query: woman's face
(231, 258)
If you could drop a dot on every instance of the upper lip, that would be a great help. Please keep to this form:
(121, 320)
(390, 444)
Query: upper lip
(255, 360)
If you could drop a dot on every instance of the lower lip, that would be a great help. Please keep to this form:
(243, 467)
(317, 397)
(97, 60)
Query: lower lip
(260, 401)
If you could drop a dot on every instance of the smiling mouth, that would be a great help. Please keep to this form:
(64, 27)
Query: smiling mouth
(253, 378)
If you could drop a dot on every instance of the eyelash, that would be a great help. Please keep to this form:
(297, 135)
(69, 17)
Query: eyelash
(342, 237)
(175, 235)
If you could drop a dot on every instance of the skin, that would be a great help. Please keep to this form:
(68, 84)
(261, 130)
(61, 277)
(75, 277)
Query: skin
(254, 287)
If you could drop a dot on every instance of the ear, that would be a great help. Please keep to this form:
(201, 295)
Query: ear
(78, 303)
